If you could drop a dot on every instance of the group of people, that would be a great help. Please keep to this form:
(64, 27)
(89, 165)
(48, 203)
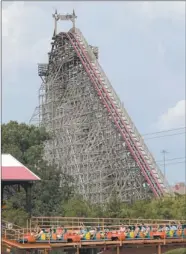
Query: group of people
(40, 233)
(147, 228)
(89, 233)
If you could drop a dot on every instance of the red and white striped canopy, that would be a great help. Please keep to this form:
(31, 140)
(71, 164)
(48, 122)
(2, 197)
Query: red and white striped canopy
(13, 170)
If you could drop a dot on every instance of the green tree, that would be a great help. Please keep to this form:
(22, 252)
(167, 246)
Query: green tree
(77, 207)
(114, 206)
(18, 216)
(54, 194)
(26, 143)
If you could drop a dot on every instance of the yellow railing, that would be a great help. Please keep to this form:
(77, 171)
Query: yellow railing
(7, 224)
(74, 222)
(11, 231)
(12, 234)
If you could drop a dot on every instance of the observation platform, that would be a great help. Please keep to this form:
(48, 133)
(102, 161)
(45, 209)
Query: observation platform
(91, 234)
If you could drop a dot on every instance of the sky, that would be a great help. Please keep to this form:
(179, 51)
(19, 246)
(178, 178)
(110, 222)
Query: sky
(141, 49)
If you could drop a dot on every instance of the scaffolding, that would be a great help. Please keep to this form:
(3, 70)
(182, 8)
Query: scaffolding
(94, 139)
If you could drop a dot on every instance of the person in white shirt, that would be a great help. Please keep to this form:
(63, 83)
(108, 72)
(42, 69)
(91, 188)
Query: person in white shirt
(173, 227)
(143, 229)
(122, 228)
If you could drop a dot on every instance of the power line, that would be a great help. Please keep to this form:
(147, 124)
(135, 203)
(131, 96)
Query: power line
(173, 163)
(176, 134)
(172, 159)
(153, 133)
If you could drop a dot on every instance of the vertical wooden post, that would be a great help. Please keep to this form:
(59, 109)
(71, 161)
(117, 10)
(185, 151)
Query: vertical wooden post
(27, 188)
(159, 249)
(30, 225)
(78, 250)
(27, 225)
(2, 192)
(29, 200)
(118, 250)
(103, 225)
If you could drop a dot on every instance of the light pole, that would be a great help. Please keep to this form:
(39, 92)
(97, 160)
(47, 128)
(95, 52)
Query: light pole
(164, 162)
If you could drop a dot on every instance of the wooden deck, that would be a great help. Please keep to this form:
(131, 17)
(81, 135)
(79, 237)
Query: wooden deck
(133, 244)
(10, 235)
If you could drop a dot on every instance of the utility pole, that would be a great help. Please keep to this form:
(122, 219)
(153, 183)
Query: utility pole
(164, 152)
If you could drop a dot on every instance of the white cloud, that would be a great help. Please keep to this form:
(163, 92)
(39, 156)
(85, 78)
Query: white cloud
(20, 42)
(174, 117)
(163, 9)
(23, 21)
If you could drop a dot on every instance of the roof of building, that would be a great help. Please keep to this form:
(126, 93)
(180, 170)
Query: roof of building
(179, 188)
(13, 170)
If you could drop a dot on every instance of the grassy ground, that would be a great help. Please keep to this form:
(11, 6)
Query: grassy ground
(178, 251)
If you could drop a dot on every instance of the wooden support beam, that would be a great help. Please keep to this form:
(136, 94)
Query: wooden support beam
(159, 249)
(46, 251)
(28, 187)
(78, 252)
(2, 193)
(118, 250)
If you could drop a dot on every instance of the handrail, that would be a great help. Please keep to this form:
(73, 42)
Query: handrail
(105, 221)
(16, 237)
(14, 233)
(102, 218)
(8, 222)
(121, 107)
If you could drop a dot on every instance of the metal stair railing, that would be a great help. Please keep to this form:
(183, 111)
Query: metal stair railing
(125, 114)
(11, 231)
(8, 224)
(116, 118)
(72, 222)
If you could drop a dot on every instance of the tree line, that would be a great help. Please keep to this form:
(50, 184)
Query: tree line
(51, 197)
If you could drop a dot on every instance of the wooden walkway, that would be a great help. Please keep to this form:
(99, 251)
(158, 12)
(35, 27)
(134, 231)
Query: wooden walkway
(95, 245)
